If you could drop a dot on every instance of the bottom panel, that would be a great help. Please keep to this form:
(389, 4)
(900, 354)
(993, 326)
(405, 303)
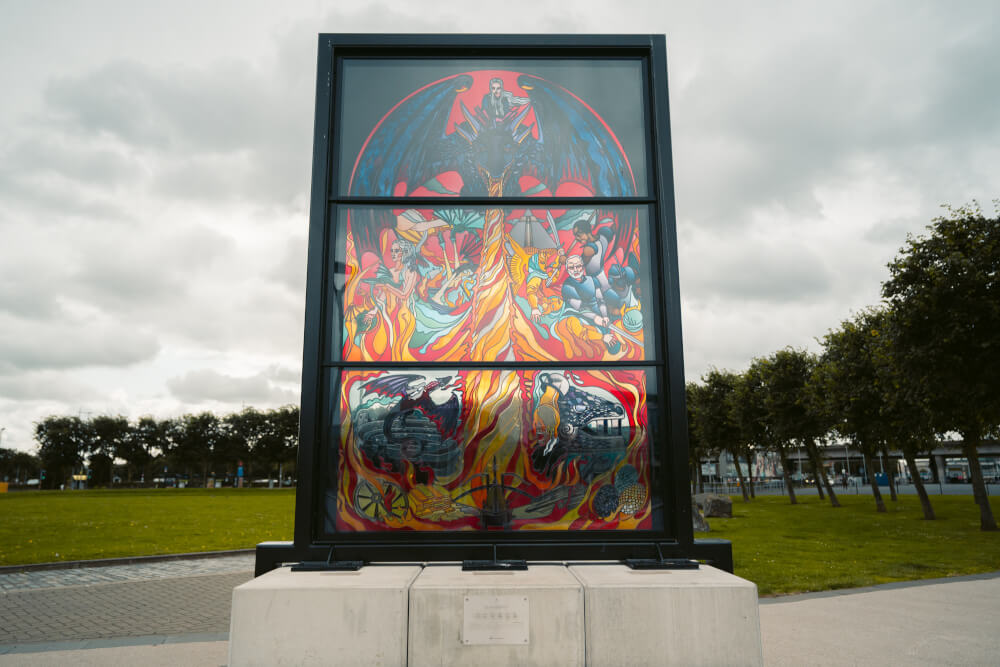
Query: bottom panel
(477, 450)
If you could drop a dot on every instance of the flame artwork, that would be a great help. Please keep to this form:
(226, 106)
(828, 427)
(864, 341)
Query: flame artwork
(477, 450)
(493, 449)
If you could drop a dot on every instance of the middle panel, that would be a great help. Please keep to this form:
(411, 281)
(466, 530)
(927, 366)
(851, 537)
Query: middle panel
(491, 285)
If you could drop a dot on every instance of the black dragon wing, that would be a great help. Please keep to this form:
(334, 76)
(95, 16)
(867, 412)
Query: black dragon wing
(390, 385)
(573, 142)
(444, 415)
(409, 144)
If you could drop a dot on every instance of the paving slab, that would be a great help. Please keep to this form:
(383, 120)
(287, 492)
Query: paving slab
(83, 576)
(165, 606)
(944, 622)
(164, 654)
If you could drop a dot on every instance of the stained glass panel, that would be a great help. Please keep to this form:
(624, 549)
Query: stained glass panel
(492, 128)
(504, 284)
(493, 450)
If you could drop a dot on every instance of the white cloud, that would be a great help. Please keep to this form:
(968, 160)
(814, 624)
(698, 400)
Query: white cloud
(199, 386)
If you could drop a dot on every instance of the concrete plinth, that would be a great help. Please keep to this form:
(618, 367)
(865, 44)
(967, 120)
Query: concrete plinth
(531, 617)
(322, 618)
(669, 617)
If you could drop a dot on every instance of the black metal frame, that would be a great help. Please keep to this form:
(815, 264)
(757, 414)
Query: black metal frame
(670, 467)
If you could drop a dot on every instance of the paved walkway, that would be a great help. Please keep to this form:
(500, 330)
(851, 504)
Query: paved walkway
(178, 613)
(935, 622)
(151, 603)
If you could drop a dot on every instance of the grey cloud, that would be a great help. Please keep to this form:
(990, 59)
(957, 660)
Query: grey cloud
(208, 385)
(290, 270)
(122, 267)
(78, 158)
(44, 386)
(174, 108)
(278, 373)
(758, 272)
(224, 130)
(892, 231)
(71, 343)
(50, 197)
(757, 125)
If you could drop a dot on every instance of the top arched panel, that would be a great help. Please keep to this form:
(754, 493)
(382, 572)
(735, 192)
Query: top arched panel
(425, 127)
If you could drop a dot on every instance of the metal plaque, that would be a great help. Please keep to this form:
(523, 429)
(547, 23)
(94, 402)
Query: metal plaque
(495, 619)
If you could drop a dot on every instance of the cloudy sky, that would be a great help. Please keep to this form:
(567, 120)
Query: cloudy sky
(155, 165)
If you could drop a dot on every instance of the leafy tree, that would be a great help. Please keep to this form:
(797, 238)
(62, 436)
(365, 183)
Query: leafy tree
(146, 439)
(17, 466)
(847, 379)
(101, 470)
(110, 436)
(906, 409)
(195, 441)
(696, 448)
(715, 419)
(283, 435)
(755, 417)
(62, 443)
(792, 408)
(944, 290)
(246, 430)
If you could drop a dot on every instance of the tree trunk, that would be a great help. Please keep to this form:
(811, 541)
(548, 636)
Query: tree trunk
(819, 483)
(753, 492)
(817, 459)
(925, 501)
(787, 475)
(934, 468)
(870, 469)
(969, 447)
(699, 481)
(739, 476)
(891, 474)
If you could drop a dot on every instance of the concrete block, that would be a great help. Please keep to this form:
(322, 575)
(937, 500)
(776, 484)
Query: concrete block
(322, 618)
(669, 617)
(478, 618)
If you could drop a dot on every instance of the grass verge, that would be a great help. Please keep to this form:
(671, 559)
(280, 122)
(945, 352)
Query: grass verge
(44, 526)
(783, 548)
(812, 546)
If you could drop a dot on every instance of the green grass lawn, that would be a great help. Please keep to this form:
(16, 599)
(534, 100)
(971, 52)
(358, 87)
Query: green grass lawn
(43, 526)
(783, 548)
(811, 546)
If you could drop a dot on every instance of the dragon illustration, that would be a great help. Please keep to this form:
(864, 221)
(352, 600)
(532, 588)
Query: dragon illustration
(415, 429)
(412, 145)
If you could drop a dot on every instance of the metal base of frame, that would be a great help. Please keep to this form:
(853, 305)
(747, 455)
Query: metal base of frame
(714, 552)
(330, 564)
(662, 564)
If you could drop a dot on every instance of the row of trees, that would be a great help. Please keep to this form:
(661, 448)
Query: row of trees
(924, 363)
(200, 445)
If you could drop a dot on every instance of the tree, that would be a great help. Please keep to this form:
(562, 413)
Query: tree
(195, 440)
(792, 408)
(17, 466)
(754, 416)
(906, 409)
(282, 442)
(696, 448)
(945, 292)
(848, 381)
(110, 436)
(245, 429)
(147, 438)
(715, 419)
(62, 443)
